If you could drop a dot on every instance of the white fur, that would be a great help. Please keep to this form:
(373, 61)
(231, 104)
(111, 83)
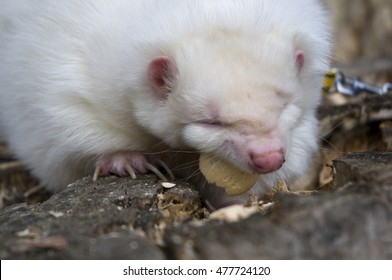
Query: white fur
(73, 82)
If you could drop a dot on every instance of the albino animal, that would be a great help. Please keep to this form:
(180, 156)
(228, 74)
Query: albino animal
(106, 86)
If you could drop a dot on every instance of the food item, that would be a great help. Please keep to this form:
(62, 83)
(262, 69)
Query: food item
(223, 174)
(168, 185)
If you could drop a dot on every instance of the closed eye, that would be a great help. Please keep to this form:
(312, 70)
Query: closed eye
(211, 123)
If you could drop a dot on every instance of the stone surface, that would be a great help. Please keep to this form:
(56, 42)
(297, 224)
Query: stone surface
(119, 218)
(112, 218)
(352, 222)
(375, 167)
(317, 227)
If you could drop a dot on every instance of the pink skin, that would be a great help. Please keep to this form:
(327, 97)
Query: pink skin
(264, 155)
(116, 163)
(299, 59)
(266, 162)
(129, 164)
(161, 71)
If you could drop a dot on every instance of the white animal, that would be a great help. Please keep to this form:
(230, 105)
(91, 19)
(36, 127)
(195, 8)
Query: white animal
(102, 85)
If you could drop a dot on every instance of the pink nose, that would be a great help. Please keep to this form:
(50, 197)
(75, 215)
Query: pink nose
(266, 162)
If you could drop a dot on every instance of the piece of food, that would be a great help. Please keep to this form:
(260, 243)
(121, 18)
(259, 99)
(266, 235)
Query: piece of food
(223, 174)
(168, 185)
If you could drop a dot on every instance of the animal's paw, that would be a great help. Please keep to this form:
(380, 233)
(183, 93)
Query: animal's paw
(129, 164)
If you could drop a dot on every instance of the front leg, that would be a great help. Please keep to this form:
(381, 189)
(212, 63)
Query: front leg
(126, 163)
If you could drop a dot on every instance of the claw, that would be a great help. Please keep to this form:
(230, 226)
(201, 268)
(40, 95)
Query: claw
(167, 169)
(152, 168)
(96, 173)
(129, 164)
(130, 170)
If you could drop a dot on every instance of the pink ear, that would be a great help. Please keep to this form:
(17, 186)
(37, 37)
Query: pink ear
(299, 59)
(162, 72)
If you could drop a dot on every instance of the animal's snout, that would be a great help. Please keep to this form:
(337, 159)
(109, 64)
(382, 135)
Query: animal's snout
(266, 161)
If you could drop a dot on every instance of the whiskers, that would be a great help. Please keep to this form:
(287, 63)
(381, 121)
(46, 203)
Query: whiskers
(330, 131)
(182, 162)
(327, 147)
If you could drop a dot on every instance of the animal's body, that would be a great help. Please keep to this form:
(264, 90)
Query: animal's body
(96, 83)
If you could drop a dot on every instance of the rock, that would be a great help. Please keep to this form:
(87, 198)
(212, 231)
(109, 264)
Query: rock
(372, 167)
(353, 222)
(120, 218)
(112, 218)
(324, 226)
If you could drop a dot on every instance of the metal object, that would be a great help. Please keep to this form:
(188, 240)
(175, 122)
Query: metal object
(351, 86)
